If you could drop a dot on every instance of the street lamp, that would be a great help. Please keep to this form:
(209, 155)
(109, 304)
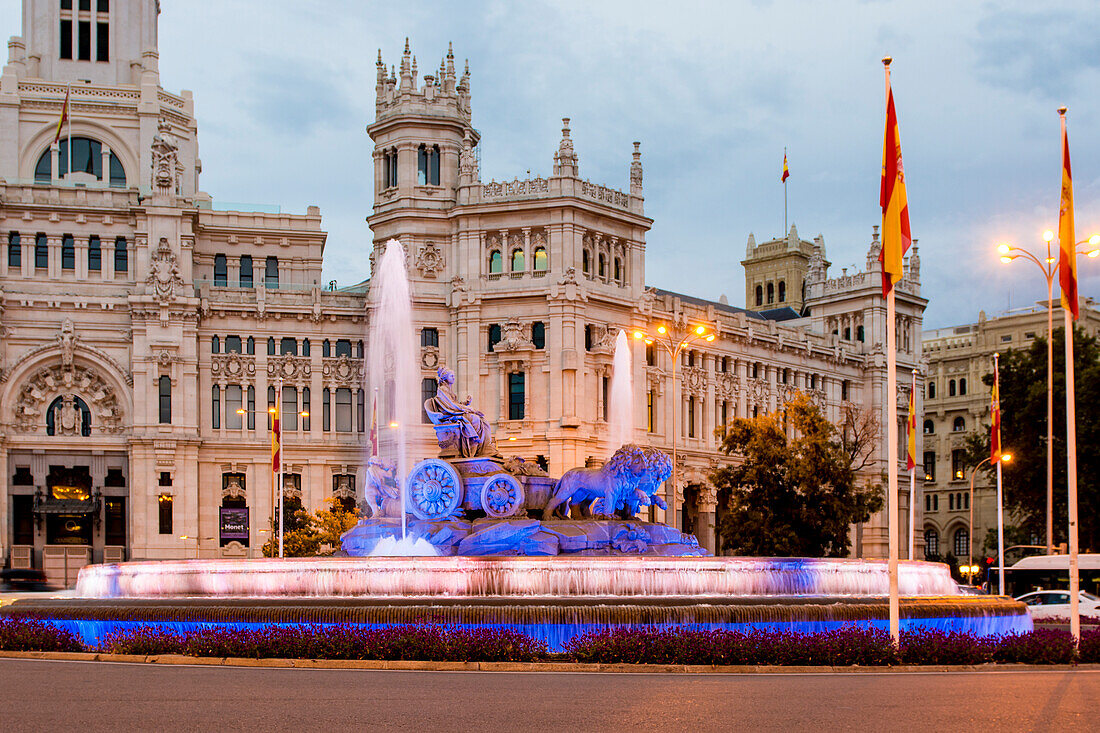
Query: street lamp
(196, 539)
(673, 341)
(1005, 458)
(1049, 267)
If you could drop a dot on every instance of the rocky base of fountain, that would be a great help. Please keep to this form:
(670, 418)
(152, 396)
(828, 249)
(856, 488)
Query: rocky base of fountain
(505, 537)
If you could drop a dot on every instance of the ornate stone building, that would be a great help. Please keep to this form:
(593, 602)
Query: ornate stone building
(957, 404)
(144, 331)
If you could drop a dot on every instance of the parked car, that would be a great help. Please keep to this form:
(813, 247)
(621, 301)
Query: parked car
(24, 579)
(1055, 603)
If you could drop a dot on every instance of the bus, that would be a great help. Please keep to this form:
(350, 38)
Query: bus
(1048, 572)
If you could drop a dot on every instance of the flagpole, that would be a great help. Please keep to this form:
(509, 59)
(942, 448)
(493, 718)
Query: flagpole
(1071, 407)
(913, 476)
(69, 119)
(785, 191)
(1000, 496)
(279, 417)
(892, 440)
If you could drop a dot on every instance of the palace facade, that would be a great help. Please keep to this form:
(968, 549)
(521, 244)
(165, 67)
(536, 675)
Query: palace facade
(145, 331)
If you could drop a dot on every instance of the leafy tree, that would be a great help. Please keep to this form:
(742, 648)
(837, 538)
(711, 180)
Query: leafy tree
(1024, 435)
(311, 535)
(795, 496)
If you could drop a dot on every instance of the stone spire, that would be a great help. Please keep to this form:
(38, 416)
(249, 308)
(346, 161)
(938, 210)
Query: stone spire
(565, 162)
(751, 247)
(817, 272)
(449, 71)
(467, 162)
(792, 239)
(914, 265)
(636, 171)
(872, 252)
(406, 70)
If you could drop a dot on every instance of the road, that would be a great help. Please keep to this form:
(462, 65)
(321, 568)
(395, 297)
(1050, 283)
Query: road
(98, 696)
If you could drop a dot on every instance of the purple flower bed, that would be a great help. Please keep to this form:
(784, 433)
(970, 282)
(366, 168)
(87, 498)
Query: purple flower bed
(427, 643)
(29, 634)
(843, 647)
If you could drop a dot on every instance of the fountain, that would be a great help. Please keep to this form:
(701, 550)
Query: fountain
(495, 541)
(620, 406)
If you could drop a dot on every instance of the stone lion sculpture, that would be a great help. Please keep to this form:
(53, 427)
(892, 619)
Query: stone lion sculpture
(629, 480)
(380, 486)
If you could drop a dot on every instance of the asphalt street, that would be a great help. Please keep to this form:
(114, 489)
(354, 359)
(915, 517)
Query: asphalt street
(97, 696)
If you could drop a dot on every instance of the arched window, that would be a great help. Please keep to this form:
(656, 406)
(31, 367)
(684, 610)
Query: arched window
(929, 427)
(859, 333)
(951, 388)
(618, 269)
(221, 271)
(961, 542)
(496, 262)
(67, 415)
(958, 425)
(962, 386)
(782, 291)
(165, 403)
(215, 345)
(390, 164)
(87, 159)
(586, 264)
(602, 266)
(250, 346)
(771, 293)
(541, 261)
(931, 392)
(427, 165)
(517, 260)
(759, 295)
(931, 543)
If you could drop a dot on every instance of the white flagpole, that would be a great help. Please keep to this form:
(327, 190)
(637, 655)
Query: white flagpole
(1000, 495)
(913, 477)
(69, 121)
(1071, 459)
(785, 192)
(279, 417)
(892, 464)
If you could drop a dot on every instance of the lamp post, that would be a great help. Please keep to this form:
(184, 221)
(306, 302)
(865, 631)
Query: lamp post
(1049, 267)
(674, 342)
(1005, 458)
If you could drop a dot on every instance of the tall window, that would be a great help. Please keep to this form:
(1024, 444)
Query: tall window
(326, 409)
(959, 425)
(929, 427)
(759, 295)
(782, 291)
(931, 393)
(289, 418)
(66, 36)
(931, 543)
(516, 389)
(601, 270)
(361, 410)
(517, 260)
(221, 271)
(250, 346)
(102, 41)
(771, 293)
(859, 334)
(250, 410)
(232, 344)
(542, 263)
(216, 407)
(691, 417)
(958, 464)
(41, 252)
(427, 165)
(389, 168)
(233, 403)
(538, 334)
(618, 269)
(844, 389)
(962, 542)
(165, 400)
(68, 252)
(164, 506)
(496, 262)
(215, 345)
(929, 466)
(586, 264)
(305, 347)
(429, 337)
(95, 254)
(428, 388)
(122, 263)
(245, 279)
(15, 251)
(962, 386)
(651, 410)
(343, 347)
(305, 408)
(271, 346)
(288, 346)
(951, 388)
(271, 272)
(343, 410)
(494, 335)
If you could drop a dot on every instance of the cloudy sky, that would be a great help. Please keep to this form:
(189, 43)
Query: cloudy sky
(713, 90)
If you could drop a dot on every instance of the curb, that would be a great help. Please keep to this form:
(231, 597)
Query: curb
(571, 667)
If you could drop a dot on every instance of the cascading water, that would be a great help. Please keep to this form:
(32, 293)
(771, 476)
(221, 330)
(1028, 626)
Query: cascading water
(620, 408)
(391, 364)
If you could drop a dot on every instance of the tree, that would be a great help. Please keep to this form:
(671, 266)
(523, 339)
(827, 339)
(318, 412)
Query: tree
(311, 535)
(1024, 435)
(794, 496)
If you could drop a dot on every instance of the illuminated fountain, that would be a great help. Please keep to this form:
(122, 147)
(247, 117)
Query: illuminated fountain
(620, 402)
(515, 548)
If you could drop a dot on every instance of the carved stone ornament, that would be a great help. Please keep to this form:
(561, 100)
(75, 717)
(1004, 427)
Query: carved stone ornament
(342, 371)
(467, 160)
(695, 380)
(166, 166)
(429, 357)
(233, 488)
(430, 260)
(164, 273)
(50, 382)
(293, 369)
(232, 366)
(728, 384)
(512, 337)
(67, 341)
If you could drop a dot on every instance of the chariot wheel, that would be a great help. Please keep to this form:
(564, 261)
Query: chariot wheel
(501, 496)
(434, 489)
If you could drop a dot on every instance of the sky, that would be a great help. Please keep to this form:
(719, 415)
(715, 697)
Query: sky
(714, 91)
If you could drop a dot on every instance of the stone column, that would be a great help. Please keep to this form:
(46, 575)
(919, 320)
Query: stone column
(105, 165)
(707, 508)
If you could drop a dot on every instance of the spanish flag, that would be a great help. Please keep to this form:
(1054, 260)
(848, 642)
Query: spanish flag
(1067, 260)
(276, 443)
(786, 171)
(896, 238)
(64, 116)
(911, 433)
(995, 414)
